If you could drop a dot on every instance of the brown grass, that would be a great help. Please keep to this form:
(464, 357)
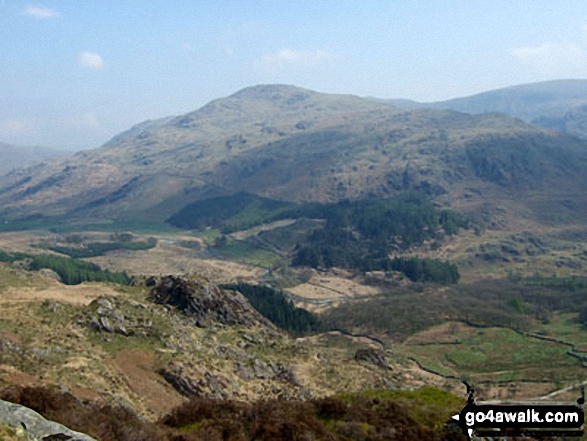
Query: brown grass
(137, 369)
(77, 294)
(170, 258)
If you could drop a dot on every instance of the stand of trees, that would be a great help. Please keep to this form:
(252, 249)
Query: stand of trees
(229, 213)
(359, 235)
(426, 270)
(71, 271)
(100, 248)
(274, 305)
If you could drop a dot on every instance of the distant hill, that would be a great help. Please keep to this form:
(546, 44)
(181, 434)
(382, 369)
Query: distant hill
(527, 102)
(558, 105)
(12, 156)
(292, 144)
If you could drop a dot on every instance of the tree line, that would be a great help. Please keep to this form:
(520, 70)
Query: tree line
(275, 306)
(71, 271)
(100, 248)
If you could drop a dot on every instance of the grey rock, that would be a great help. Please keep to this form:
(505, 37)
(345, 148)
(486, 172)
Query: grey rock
(285, 373)
(14, 415)
(47, 353)
(244, 372)
(262, 370)
(388, 384)
(105, 324)
(321, 358)
(103, 303)
(53, 306)
(7, 345)
(185, 384)
(105, 315)
(95, 324)
(151, 282)
(50, 274)
(216, 386)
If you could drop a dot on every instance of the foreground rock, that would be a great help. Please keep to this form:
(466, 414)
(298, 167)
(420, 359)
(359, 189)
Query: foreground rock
(24, 419)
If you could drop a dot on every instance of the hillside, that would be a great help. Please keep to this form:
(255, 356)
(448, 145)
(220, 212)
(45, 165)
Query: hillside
(292, 144)
(13, 156)
(152, 346)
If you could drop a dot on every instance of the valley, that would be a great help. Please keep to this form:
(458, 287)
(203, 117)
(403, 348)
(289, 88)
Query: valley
(282, 244)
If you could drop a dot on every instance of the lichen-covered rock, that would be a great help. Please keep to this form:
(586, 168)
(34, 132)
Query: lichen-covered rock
(112, 315)
(27, 420)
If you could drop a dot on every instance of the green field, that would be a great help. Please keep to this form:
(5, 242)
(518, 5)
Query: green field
(239, 251)
(565, 327)
(499, 354)
(209, 235)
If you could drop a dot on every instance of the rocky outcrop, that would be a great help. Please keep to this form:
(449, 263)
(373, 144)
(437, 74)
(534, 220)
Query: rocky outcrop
(113, 315)
(372, 356)
(195, 381)
(36, 427)
(257, 369)
(206, 302)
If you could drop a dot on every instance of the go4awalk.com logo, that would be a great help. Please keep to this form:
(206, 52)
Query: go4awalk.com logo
(536, 419)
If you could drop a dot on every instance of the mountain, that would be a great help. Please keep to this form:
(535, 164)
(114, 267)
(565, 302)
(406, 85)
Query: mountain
(574, 121)
(13, 156)
(293, 144)
(527, 102)
(558, 105)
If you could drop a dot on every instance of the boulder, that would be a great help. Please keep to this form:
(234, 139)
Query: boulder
(50, 274)
(24, 419)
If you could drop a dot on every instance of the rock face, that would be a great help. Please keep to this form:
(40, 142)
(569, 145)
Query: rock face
(206, 302)
(21, 417)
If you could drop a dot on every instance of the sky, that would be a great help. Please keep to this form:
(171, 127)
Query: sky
(75, 73)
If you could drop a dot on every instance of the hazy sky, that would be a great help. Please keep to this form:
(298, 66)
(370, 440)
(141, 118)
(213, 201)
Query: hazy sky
(73, 73)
